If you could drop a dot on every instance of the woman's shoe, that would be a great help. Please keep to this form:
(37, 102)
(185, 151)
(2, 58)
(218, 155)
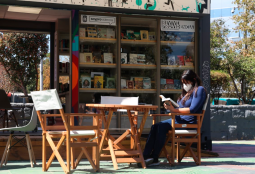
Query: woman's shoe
(148, 162)
(154, 163)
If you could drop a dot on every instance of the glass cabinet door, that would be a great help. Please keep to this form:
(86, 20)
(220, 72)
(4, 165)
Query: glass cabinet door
(177, 54)
(97, 70)
(138, 61)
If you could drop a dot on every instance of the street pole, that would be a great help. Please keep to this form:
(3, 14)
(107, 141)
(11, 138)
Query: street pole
(41, 74)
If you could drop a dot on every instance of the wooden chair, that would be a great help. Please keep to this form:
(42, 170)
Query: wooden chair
(29, 127)
(184, 136)
(70, 135)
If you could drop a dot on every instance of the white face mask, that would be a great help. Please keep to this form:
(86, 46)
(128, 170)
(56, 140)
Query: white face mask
(187, 87)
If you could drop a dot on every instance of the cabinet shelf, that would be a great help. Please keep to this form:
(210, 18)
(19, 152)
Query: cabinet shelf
(176, 43)
(99, 90)
(138, 42)
(164, 91)
(63, 53)
(97, 40)
(138, 91)
(137, 66)
(176, 67)
(98, 65)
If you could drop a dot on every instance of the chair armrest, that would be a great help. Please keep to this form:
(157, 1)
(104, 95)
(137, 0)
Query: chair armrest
(172, 114)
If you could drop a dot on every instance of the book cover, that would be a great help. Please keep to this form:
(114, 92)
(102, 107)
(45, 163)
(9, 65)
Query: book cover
(171, 60)
(123, 59)
(168, 99)
(68, 67)
(188, 61)
(123, 83)
(144, 34)
(110, 83)
(92, 32)
(170, 83)
(177, 84)
(101, 32)
(152, 35)
(138, 83)
(147, 83)
(141, 59)
(82, 32)
(97, 58)
(163, 84)
(180, 60)
(85, 81)
(110, 33)
(86, 58)
(137, 35)
(63, 68)
(130, 84)
(132, 58)
(98, 81)
(96, 74)
(130, 34)
(60, 67)
(108, 58)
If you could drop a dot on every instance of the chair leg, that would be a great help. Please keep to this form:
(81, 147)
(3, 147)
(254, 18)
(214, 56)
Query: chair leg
(199, 150)
(72, 156)
(44, 153)
(114, 161)
(5, 151)
(29, 150)
(178, 151)
(8, 151)
(32, 150)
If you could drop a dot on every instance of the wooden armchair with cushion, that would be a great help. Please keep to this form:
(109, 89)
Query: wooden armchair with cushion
(68, 134)
(184, 136)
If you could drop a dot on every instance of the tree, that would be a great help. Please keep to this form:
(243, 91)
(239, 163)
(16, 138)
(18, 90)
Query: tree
(20, 54)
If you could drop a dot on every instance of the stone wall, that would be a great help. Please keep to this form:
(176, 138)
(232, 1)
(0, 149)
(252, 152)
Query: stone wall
(234, 122)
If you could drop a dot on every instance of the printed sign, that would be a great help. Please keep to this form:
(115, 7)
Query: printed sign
(177, 25)
(98, 20)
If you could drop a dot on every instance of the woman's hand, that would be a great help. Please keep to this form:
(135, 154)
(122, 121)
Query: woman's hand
(169, 107)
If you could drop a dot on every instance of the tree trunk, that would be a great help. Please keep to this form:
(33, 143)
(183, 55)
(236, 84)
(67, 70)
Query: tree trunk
(232, 78)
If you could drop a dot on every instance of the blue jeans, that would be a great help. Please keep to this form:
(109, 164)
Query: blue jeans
(157, 138)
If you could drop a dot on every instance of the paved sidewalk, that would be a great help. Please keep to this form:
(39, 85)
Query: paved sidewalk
(235, 157)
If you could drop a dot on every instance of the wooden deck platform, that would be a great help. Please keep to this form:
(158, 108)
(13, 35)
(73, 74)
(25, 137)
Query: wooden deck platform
(19, 152)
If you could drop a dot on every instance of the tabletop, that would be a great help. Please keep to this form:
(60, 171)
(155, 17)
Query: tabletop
(116, 106)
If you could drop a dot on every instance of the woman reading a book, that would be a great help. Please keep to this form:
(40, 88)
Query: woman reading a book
(190, 101)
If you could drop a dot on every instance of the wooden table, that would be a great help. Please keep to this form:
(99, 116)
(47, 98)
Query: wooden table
(134, 154)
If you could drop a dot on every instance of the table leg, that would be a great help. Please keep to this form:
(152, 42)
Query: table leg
(145, 115)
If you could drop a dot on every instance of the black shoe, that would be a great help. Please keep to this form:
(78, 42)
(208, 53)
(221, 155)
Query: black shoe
(154, 163)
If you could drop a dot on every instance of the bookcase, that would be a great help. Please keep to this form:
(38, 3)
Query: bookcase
(62, 61)
(128, 55)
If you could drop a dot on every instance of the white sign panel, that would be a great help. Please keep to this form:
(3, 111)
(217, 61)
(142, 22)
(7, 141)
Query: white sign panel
(177, 25)
(98, 20)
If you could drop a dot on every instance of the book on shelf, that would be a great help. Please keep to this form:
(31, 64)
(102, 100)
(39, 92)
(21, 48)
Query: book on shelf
(147, 83)
(152, 35)
(108, 58)
(82, 32)
(123, 83)
(124, 34)
(85, 72)
(138, 83)
(141, 59)
(137, 35)
(123, 59)
(60, 67)
(177, 84)
(171, 60)
(130, 84)
(86, 57)
(166, 100)
(110, 33)
(93, 74)
(132, 58)
(63, 68)
(64, 45)
(68, 67)
(144, 34)
(85, 81)
(101, 32)
(98, 81)
(130, 34)
(92, 32)
(110, 82)
(180, 60)
(163, 83)
(97, 58)
(188, 61)
(170, 83)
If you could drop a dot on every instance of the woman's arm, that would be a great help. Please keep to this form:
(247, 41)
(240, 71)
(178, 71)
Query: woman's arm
(176, 110)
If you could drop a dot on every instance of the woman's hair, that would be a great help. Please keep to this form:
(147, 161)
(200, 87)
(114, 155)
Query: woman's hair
(189, 75)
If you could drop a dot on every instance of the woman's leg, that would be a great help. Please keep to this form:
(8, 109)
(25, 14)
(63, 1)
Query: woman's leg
(150, 141)
(162, 129)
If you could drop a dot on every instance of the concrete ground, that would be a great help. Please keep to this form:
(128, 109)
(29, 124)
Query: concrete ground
(235, 157)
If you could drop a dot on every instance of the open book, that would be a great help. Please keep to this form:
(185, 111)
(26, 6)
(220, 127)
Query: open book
(169, 99)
